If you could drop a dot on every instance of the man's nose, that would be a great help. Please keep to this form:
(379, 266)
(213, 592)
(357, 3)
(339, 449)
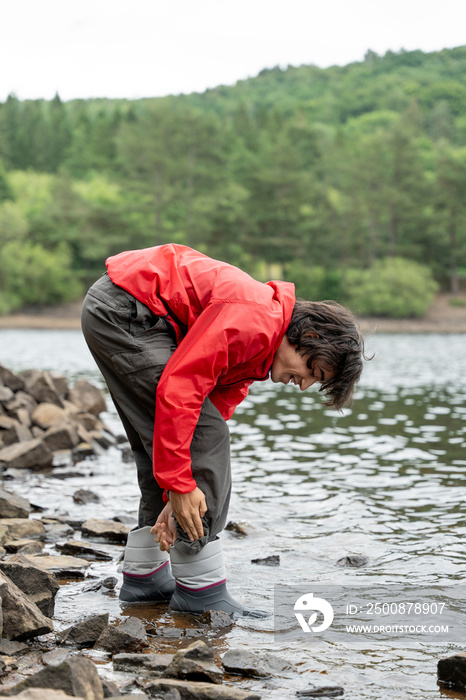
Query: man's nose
(306, 383)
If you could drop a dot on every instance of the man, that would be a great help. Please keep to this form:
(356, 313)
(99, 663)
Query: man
(179, 338)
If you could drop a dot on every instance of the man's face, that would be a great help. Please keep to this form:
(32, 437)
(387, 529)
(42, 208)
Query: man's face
(288, 366)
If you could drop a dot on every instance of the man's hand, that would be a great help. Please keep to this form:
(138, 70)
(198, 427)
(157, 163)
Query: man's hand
(188, 509)
(165, 529)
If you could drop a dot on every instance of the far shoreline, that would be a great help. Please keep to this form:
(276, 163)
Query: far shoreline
(442, 317)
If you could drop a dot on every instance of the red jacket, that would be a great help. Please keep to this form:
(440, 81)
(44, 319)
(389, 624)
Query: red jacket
(228, 327)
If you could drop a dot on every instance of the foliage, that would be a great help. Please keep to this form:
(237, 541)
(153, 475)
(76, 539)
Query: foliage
(394, 287)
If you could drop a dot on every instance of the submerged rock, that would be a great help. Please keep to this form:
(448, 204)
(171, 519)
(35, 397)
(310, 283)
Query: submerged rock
(271, 560)
(253, 664)
(85, 496)
(353, 560)
(451, 671)
(321, 691)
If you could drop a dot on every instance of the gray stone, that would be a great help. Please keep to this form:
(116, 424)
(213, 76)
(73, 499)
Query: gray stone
(60, 383)
(11, 380)
(45, 694)
(216, 618)
(77, 548)
(47, 415)
(198, 691)
(110, 689)
(82, 450)
(86, 632)
(13, 506)
(41, 387)
(195, 663)
(321, 691)
(7, 422)
(24, 547)
(451, 671)
(88, 398)
(76, 676)
(54, 657)
(253, 664)
(16, 433)
(55, 531)
(6, 394)
(10, 648)
(88, 420)
(61, 566)
(22, 619)
(150, 664)
(237, 528)
(26, 455)
(85, 496)
(105, 585)
(128, 636)
(353, 560)
(62, 436)
(271, 560)
(19, 528)
(21, 406)
(106, 529)
(40, 586)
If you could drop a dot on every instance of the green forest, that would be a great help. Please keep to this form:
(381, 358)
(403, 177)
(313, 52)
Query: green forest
(349, 181)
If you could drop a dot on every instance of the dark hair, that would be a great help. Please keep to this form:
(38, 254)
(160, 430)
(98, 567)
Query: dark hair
(327, 332)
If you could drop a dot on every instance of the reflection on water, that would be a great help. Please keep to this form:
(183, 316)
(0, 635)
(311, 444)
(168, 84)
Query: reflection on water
(385, 479)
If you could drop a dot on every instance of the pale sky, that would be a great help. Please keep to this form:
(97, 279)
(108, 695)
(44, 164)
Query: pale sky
(150, 48)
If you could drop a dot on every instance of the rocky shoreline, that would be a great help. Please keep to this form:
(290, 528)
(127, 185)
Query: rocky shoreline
(442, 317)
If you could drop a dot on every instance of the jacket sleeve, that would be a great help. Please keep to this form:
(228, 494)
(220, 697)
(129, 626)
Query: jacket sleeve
(219, 338)
(227, 398)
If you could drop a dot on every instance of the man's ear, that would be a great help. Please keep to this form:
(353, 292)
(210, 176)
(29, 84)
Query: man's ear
(311, 334)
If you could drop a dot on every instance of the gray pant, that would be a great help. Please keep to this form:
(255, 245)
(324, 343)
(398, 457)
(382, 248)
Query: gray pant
(131, 347)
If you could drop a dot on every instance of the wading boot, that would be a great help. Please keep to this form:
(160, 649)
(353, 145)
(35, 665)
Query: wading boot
(146, 572)
(201, 583)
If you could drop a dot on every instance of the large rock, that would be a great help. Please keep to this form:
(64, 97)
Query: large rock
(79, 548)
(128, 636)
(76, 676)
(62, 436)
(48, 414)
(61, 566)
(13, 506)
(253, 663)
(106, 529)
(451, 671)
(198, 691)
(11, 380)
(194, 663)
(41, 387)
(22, 619)
(26, 455)
(18, 528)
(85, 633)
(40, 586)
(88, 398)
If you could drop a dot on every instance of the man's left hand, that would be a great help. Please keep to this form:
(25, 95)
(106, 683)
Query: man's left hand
(164, 530)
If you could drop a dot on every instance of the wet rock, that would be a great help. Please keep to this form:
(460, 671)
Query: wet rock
(128, 636)
(451, 672)
(85, 496)
(216, 619)
(11, 648)
(148, 663)
(41, 387)
(85, 633)
(13, 506)
(11, 380)
(19, 528)
(105, 585)
(55, 531)
(237, 528)
(40, 586)
(75, 676)
(106, 529)
(198, 691)
(47, 415)
(82, 450)
(253, 664)
(62, 436)
(22, 619)
(77, 548)
(271, 560)
(54, 657)
(26, 455)
(353, 560)
(110, 689)
(321, 691)
(61, 566)
(24, 547)
(126, 519)
(88, 398)
(194, 663)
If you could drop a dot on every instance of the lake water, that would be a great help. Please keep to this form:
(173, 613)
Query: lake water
(385, 479)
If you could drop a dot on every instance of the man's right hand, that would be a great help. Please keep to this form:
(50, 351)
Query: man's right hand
(188, 509)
